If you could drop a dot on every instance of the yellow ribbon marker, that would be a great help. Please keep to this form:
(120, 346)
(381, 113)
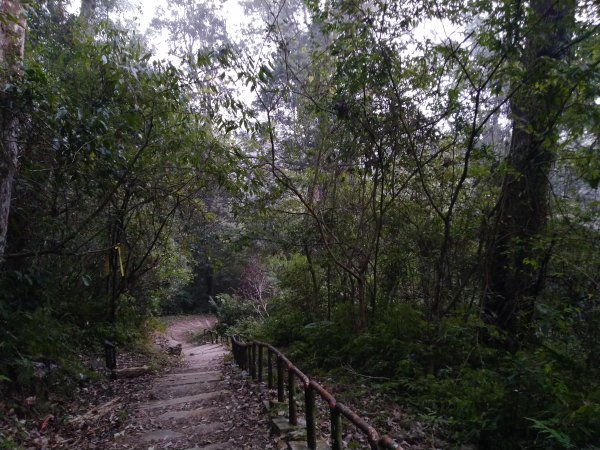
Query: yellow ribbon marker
(118, 249)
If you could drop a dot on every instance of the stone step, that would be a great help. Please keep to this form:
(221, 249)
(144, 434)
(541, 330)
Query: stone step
(216, 446)
(211, 357)
(282, 426)
(204, 348)
(160, 435)
(171, 435)
(187, 414)
(294, 435)
(199, 377)
(181, 400)
(165, 392)
(199, 366)
(301, 445)
(203, 430)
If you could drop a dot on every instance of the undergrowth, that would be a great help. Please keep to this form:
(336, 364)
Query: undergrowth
(540, 397)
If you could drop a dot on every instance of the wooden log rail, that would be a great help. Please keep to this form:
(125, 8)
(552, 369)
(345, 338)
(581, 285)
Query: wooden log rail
(250, 356)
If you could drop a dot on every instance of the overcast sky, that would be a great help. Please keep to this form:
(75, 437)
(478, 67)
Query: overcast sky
(233, 13)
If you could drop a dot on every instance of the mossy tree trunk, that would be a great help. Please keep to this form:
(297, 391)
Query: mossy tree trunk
(516, 258)
(12, 45)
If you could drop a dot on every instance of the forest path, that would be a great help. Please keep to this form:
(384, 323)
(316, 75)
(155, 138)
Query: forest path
(202, 405)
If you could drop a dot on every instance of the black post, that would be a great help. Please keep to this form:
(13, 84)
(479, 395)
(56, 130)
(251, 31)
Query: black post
(279, 379)
(248, 358)
(310, 413)
(291, 399)
(336, 429)
(270, 369)
(260, 363)
(253, 359)
(110, 353)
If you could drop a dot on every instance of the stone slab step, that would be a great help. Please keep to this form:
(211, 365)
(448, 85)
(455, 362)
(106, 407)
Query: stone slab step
(160, 435)
(195, 377)
(187, 414)
(180, 400)
(203, 430)
(204, 347)
(202, 367)
(300, 445)
(174, 385)
(213, 357)
(215, 446)
(166, 392)
(282, 426)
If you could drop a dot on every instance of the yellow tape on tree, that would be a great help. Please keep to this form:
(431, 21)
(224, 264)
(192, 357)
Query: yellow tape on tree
(118, 249)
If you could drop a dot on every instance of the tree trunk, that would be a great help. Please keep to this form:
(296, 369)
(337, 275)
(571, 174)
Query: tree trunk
(514, 259)
(362, 307)
(314, 300)
(88, 7)
(12, 45)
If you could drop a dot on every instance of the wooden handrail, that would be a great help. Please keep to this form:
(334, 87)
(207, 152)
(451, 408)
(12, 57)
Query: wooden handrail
(249, 356)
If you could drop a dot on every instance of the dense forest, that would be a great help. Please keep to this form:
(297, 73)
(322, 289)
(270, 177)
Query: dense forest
(408, 189)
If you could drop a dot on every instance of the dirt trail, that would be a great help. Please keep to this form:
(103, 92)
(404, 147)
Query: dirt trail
(178, 332)
(202, 405)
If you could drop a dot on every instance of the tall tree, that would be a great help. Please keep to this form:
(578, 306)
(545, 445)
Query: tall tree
(515, 263)
(12, 49)
(87, 9)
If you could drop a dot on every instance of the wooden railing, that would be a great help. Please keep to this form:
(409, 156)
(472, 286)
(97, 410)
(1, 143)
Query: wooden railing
(250, 356)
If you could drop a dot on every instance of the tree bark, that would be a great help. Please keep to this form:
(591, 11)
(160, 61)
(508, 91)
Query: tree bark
(12, 49)
(515, 261)
(88, 7)
(314, 298)
(362, 302)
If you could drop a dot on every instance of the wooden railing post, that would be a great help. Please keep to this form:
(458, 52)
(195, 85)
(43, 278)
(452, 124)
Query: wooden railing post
(248, 358)
(336, 429)
(110, 355)
(310, 414)
(291, 399)
(260, 363)
(279, 379)
(253, 361)
(269, 369)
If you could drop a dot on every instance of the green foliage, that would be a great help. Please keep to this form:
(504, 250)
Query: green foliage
(391, 154)
(115, 173)
(523, 399)
(230, 310)
(539, 398)
(367, 196)
(172, 277)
